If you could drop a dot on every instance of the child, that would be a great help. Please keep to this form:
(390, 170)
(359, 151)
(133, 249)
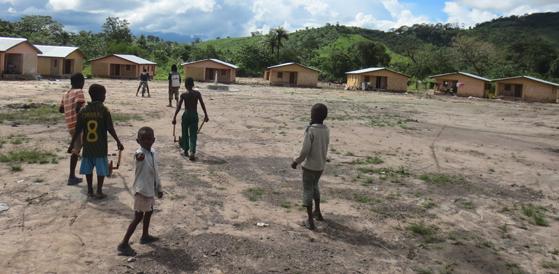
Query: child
(313, 156)
(174, 85)
(144, 78)
(71, 103)
(146, 185)
(190, 118)
(94, 120)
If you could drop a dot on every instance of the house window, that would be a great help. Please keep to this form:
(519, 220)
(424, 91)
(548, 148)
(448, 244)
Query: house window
(280, 75)
(128, 67)
(55, 63)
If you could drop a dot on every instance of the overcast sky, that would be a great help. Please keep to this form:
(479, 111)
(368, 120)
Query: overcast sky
(180, 19)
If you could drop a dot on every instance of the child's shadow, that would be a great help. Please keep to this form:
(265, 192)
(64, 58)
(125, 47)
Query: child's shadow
(176, 260)
(337, 231)
(211, 160)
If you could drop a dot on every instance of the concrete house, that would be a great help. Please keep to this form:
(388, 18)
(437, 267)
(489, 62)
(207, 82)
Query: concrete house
(58, 61)
(527, 88)
(377, 79)
(462, 84)
(123, 66)
(292, 74)
(18, 58)
(207, 70)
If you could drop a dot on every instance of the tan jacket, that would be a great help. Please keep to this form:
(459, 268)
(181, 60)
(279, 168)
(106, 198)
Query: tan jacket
(315, 147)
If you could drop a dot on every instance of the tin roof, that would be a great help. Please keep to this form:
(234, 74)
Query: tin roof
(367, 70)
(292, 63)
(7, 43)
(462, 73)
(530, 78)
(55, 51)
(213, 60)
(129, 57)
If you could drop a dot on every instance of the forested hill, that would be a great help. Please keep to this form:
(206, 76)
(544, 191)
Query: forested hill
(517, 45)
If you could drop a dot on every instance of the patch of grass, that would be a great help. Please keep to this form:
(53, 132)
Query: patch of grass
(126, 117)
(465, 204)
(428, 204)
(514, 268)
(441, 178)
(367, 181)
(38, 180)
(374, 160)
(535, 214)
(386, 171)
(388, 120)
(364, 199)
(427, 232)
(286, 205)
(15, 167)
(349, 153)
(32, 114)
(254, 193)
(555, 251)
(30, 156)
(550, 265)
(424, 271)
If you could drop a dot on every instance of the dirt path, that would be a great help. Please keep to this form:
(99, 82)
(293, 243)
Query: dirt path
(414, 185)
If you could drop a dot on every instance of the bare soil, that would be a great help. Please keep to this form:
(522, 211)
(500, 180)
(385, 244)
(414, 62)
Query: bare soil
(452, 192)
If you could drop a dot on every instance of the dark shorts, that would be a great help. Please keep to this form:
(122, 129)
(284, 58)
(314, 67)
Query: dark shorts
(311, 190)
(174, 92)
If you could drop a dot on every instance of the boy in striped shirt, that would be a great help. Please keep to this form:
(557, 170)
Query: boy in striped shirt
(72, 101)
(94, 120)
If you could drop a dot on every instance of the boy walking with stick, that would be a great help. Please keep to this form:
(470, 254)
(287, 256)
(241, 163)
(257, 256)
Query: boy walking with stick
(313, 159)
(174, 85)
(190, 118)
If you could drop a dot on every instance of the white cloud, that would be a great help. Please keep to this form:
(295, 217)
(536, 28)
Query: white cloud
(11, 10)
(466, 16)
(64, 4)
(399, 13)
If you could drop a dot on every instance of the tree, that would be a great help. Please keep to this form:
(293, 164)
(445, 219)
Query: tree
(41, 30)
(117, 30)
(275, 40)
(474, 54)
(369, 53)
(6, 28)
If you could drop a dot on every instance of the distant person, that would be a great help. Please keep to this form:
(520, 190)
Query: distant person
(189, 123)
(144, 78)
(146, 186)
(94, 120)
(313, 159)
(174, 85)
(72, 101)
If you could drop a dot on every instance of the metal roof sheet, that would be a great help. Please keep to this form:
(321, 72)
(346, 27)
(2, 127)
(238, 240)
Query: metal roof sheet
(292, 63)
(55, 51)
(7, 43)
(462, 73)
(367, 70)
(135, 59)
(530, 78)
(214, 60)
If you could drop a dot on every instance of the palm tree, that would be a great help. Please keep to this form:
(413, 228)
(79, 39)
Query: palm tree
(271, 41)
(280, 35)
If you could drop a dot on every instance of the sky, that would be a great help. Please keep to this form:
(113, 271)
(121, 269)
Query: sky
(181, 20)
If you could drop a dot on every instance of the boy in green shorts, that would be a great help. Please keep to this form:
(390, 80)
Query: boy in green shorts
(190, 118)
(313, 159)
(94, 120)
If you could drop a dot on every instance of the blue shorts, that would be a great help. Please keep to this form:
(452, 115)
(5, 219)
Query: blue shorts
(101, 165)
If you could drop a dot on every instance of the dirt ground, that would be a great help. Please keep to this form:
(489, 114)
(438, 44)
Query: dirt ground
(415, 184)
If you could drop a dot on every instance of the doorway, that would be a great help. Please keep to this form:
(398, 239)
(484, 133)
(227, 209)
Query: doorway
(114, 70)
(68, 64)
(293, 78)
(14, 64)
(381, 82)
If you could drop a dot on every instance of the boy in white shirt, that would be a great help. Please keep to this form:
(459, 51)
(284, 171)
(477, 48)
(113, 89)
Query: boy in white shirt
(313, 159)
(146, 186)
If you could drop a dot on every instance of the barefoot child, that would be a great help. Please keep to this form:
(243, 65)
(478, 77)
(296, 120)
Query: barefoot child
(72, 101)
(144, 78)
(190, 118)
(146, 186)
(313, 157)
(94, 120)
(174, 85)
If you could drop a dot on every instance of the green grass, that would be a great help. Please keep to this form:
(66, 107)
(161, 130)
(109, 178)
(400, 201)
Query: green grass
(125, 117)
(385, 172)
(254, 194)
(427, 232)
(373, 160)
(388, 120)
(535, 214)
(441, 178)
(15, 167)
(364, 199)
(29, 156)
(41, 114)
(286, 205)
(428, 204)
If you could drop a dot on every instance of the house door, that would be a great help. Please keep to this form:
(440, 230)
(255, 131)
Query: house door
(68, 66)
(114, 70)
(210, 74)
(381, 82)
(14, 64)
(293, 78)
(454, 86)
(517, 91)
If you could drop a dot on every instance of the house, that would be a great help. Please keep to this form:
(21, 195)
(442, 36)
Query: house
(377, 79)
(207, 70)
(526, 88)
(121, 66)
(18, 58)
(58, 61)
(462, 84)
(292, 74)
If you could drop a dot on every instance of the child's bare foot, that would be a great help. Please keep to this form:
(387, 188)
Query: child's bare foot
(90, 194)
(318, 216)
(192, 157)
(100, 195)
(309, 224)
(125, 250)
(148, 239)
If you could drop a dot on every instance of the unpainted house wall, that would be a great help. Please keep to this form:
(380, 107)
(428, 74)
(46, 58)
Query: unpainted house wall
(45, 66)
(2, 65)
(532, 91)
(198, 71)
(395, 81)
(471, 86)
(305, 77)
(29, 57)
(78, 61)
(101, 68)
